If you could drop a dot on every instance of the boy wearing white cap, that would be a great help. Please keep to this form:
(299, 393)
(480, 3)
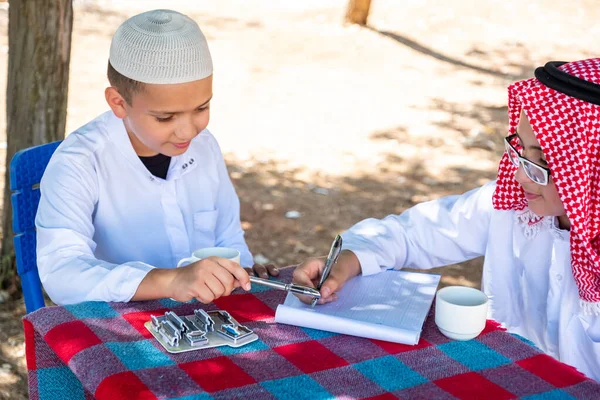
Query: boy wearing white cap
(141, 186)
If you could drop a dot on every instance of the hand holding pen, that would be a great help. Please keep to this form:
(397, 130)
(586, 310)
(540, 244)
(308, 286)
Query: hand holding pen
(334, 253)
(312, 273)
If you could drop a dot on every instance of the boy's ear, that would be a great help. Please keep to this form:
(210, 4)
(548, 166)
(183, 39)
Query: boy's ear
(116, 102)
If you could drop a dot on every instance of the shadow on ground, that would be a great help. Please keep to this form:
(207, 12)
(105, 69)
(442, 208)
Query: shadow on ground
(329, 205)
(500, 58)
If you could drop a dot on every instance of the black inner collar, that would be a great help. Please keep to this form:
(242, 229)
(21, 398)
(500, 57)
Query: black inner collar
(158, 165)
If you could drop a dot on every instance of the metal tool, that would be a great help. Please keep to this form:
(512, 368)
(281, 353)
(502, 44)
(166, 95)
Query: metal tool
(290, 287)
(202, 330)
(334, 253)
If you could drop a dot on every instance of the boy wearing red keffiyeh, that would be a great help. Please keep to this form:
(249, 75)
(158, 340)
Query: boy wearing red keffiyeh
(538, 224)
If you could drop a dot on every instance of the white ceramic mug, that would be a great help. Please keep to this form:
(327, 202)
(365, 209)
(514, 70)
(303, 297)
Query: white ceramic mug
(222, 252)
(460, 312)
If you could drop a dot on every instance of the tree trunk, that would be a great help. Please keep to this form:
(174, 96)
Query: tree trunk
(358, 11)
(39, 51)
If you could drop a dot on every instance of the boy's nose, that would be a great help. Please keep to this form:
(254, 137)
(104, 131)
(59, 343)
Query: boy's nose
(521, 176)
(186, 131)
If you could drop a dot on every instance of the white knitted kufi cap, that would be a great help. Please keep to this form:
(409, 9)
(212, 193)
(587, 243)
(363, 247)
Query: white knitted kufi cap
(160, 46)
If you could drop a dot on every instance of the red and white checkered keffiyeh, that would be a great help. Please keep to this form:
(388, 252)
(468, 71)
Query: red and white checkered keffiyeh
(568, 130)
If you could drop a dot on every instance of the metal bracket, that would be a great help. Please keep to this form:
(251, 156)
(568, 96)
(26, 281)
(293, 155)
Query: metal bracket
(200, 330)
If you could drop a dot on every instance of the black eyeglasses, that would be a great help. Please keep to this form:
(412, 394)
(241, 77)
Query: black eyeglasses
(535, 172)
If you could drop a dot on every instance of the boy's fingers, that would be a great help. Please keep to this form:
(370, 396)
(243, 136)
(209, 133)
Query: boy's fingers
(332, 285)
(304, 299)
(261, 271)
(301, 277)
(250, 271)
(205, 295)
(226, 279)
(309, 271)
(322, 300)
(273, 270)
(329, 299)
(264, 271)
(216, 286)
(307, 274)
(236, 270)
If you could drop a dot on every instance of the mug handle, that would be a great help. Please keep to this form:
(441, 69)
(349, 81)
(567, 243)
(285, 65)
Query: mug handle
(188, 260)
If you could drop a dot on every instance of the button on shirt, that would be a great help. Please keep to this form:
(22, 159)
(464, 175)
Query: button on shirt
(104, 221)
(526, 273)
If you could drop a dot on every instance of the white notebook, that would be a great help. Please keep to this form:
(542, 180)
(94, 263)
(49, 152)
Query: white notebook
(390, 306)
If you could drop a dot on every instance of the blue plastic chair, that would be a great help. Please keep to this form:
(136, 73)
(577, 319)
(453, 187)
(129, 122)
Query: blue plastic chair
(26, 169)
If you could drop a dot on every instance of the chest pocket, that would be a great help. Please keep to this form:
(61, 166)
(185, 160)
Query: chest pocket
(205, 223)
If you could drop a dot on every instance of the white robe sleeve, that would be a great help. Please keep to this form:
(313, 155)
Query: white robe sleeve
(431, 234)
(229, 232)
(65, 247)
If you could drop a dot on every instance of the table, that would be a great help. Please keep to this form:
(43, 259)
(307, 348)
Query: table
(102, 350)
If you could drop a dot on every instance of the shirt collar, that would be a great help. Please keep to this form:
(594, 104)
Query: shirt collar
(118, 135)
(180, 165)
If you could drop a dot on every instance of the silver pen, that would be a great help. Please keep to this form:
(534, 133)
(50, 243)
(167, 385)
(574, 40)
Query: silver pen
(334, 253)
(290, 287)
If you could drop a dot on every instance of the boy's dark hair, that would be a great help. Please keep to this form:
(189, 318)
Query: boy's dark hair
(125, 86)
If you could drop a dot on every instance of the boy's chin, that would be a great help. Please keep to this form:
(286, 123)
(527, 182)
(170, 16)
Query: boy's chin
(541, 211)
(172, 151)
(538, 209)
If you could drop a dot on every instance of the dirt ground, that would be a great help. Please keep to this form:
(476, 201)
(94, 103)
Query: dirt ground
(336, 122)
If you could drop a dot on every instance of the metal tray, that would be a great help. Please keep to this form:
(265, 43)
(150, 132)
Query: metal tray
(215, 338)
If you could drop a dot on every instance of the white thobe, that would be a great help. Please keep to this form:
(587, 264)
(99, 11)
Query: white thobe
(104, 221)
(526, 273)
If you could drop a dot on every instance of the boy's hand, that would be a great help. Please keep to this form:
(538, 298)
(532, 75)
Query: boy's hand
(207, 280)
(263, 271)
(309, 272)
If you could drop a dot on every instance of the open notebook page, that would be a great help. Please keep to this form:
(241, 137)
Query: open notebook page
(391, 306)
